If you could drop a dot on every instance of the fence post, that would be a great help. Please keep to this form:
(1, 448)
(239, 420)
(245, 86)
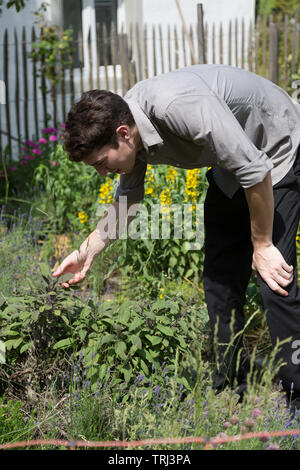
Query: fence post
(123, 38)
(273, 57)
(6, 81)
(200, 31)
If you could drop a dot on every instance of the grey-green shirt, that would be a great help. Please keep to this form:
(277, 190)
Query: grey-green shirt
(213, 115)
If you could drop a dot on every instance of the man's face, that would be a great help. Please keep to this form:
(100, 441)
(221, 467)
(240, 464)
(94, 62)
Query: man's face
(115, 160)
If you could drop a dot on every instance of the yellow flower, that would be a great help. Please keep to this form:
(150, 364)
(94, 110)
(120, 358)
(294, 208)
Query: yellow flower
(149, 181)
(83, 218)
(106, 192)
(191, 186)
(171, 176)
(165, 202)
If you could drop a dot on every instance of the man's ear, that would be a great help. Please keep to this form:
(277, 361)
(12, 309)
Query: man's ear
(123, 131)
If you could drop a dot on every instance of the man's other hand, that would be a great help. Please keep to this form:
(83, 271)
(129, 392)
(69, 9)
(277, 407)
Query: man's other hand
(270, 264)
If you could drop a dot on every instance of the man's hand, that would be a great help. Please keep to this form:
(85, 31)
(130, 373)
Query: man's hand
(270, 264)
(76, 264)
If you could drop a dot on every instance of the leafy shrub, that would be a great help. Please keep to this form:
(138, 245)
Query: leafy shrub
(129, 339)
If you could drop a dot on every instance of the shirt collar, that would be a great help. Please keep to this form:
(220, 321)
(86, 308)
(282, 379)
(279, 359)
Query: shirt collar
(147, 131)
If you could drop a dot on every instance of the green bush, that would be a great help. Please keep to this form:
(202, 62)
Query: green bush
(129, 339)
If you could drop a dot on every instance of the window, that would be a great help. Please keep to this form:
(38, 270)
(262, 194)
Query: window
(106, 14)
(72, 19)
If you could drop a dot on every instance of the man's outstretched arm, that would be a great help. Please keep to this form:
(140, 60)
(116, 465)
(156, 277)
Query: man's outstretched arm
(267, 259)
(80, 261)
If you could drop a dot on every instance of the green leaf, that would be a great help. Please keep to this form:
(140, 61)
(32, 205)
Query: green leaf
(137, 322)
(45, 269)
(127, 371)
(102, 371)
(13, 343)
(136, 341)
(183, 325)
(144, 367)
(184, 382)
(120, 349)
(25, 347)
(24, 315)
(9, 333)
(154, 339)
(82, 334)
(107, 339)
(124, 317)
(189, 273)
(63, 343)
(158, 305)
(182, 342)
(166, 330)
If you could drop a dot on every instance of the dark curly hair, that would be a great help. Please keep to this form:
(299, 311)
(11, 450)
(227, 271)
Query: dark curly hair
(92, 123)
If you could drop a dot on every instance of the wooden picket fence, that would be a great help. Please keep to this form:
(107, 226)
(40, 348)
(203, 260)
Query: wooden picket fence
(116, 61)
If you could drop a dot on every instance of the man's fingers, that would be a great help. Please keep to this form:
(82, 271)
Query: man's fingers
(276, 288)
(78, 276)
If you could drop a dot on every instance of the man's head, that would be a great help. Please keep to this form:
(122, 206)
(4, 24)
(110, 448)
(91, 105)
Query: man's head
(100, 130)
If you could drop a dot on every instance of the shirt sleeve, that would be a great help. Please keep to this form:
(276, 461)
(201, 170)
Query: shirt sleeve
(208, 121)
(132, 184)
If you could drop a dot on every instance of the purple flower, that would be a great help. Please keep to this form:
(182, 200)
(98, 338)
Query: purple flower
(23, 162)
(37, 151)
(43, 141)
(27, 157)
(63, 126)
(53, 138)
(49, 130)
(156, 390)
(13, 168)
(31, 144)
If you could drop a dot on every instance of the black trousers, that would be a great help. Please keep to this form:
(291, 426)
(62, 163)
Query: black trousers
(227, 271)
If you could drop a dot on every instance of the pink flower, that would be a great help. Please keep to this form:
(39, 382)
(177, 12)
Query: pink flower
(272, 446)
(27, 157)
(63, 126)
(13, 168)
(53, 138)
(23, 162)
(256, 412)
(54, 163)
(43, 141)
(37, 151)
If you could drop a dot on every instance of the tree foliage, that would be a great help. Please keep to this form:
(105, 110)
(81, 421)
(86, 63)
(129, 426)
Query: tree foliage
(17, 4)
(289, 7)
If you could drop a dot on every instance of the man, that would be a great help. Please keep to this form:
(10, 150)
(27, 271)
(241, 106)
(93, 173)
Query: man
(248, 130)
